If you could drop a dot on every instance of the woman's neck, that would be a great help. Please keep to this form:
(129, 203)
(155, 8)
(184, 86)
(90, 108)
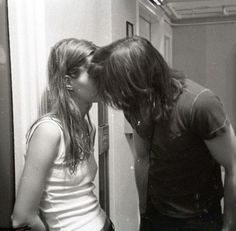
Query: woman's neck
(84, 108)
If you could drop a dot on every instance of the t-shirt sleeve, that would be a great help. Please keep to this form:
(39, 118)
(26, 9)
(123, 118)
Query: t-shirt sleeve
(208, 118)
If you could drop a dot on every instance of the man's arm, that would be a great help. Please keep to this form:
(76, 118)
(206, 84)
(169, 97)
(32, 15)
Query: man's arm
(223, 149)
(141, 165)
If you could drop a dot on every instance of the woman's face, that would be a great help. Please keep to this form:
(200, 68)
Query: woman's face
(84, 87)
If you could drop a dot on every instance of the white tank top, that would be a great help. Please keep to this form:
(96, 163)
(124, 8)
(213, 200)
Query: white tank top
(68, 202)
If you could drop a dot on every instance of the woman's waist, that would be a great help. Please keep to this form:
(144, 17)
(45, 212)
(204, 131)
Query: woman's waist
(63, 189)
(67, 201)
(74, 220)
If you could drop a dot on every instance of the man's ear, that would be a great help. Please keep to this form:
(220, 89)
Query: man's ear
(68, 83)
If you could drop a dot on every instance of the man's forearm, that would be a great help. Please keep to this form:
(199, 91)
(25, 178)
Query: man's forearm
(141, 176)
(229, 202)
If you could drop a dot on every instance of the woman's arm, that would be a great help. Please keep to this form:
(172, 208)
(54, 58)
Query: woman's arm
(223, 149)
(141, 165)
(42, 150)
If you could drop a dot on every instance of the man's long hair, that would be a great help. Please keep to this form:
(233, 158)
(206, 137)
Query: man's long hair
(134, 77)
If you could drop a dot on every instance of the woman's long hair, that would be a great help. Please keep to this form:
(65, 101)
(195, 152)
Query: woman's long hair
(69, 57)
(134, 77)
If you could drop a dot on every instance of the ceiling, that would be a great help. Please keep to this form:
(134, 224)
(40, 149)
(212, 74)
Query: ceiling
(199, 9)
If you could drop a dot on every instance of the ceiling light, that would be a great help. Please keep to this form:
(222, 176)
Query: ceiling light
(157, 2)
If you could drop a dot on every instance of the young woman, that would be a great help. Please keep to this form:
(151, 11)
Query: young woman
(181, 134)
(56, 188)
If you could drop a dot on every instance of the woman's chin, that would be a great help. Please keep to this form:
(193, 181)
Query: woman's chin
(96, 99)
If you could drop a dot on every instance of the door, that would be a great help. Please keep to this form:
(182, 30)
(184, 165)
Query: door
(144, 28)
(155, 27)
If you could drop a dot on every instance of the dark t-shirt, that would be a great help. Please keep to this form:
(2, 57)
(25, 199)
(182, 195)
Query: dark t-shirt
(184, 179)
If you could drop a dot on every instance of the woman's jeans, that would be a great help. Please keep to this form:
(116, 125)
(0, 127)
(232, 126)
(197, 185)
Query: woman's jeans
(207, 221)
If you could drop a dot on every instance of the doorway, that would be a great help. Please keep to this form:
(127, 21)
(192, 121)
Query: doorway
(155, 27)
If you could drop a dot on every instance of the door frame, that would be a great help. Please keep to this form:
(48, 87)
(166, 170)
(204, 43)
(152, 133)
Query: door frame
(7, 174)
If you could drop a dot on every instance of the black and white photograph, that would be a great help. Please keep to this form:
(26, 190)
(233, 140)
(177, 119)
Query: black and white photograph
(117, 115)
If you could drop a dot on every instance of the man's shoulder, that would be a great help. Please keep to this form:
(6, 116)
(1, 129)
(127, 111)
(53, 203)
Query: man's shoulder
(191, 92)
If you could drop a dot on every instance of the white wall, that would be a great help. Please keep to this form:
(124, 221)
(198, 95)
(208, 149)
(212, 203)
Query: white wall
(206, 54)
(89, 20)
